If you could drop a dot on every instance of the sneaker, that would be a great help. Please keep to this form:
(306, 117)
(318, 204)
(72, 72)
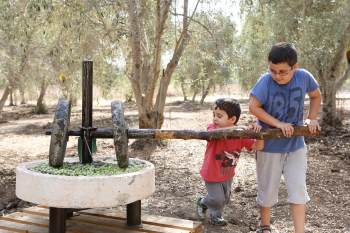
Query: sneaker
(217, 221)
(201, 209)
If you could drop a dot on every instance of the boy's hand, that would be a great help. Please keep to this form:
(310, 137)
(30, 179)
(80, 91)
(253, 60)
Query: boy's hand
(287, 129)
(255, 127)
(231, 155)
(313, 125)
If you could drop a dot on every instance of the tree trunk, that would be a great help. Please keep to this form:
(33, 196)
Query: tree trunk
(21, 92)
(194, 95)
(12, 99)
(183, 87)
(206, 90)
(170, 68)
(333, 81)
(73, 99)
(4, 97)
(136, 57)
(151, 120)
(40, 105)
(330, 116)
(146, 57)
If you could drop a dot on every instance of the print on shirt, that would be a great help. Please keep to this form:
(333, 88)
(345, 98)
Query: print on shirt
(288, 101)
(228, 160)
(294, 110)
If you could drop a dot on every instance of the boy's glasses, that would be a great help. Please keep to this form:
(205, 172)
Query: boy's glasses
(280, 73)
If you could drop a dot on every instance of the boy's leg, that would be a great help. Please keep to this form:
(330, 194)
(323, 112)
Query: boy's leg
(227, 190)
(298, 213)
(295, 179)
(269, 171)
(215, 198)
(265, 216)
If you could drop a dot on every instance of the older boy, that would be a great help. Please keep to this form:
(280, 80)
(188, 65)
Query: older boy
(277, 100)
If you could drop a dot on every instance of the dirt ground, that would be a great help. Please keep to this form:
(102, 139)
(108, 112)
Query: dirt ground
(177, 163)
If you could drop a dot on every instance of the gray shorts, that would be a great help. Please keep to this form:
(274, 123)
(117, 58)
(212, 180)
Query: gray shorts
(271, 166)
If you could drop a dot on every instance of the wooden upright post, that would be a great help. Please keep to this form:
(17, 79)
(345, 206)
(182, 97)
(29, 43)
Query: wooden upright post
(133, 213)
(57, 220)
(86, 138)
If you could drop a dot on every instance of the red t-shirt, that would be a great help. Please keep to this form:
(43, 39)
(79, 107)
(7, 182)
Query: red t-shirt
(219, 166)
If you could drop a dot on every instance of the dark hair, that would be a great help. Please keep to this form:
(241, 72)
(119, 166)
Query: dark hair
(283, 52)
(230, 106)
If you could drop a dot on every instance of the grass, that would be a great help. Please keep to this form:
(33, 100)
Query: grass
(94, 169)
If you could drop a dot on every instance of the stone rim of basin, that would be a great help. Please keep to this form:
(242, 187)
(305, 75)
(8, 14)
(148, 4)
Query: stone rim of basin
(84, 191)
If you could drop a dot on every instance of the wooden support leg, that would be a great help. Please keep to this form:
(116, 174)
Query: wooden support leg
(57, 220)
(133, 213)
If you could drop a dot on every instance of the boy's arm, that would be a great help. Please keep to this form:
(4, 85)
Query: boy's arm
(315, 103)
(256, 109)
(258, 145)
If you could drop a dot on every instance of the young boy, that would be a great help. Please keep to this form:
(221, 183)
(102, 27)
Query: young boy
(221, 157)
(277, 100)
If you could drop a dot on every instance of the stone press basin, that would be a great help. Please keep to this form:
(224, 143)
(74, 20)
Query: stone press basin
(84, 191)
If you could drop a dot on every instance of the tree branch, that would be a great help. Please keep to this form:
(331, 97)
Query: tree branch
(135, 41)
(162, 15)
(196, 21)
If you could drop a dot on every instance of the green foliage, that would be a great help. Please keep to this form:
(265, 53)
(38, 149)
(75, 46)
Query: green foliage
(206, 62)
(43, 39)
(321, 33)
(2, 83)
(94, 169)
(319, 29)
(252, 47)
(314, 26)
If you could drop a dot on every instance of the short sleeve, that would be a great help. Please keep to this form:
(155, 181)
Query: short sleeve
(311, 83)
(259, 90)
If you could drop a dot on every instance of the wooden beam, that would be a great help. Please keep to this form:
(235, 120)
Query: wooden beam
(217, 134)
(193, 134)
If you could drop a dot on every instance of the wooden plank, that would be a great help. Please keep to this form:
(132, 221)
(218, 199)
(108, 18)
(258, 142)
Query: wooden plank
(176, 223)
(121, 225)
(76, 225)
(86, 227)
(118, 223)
(22, 219)
(182, 224)
(6, 231)
(20, 226)
(36, 219)
(15, 220)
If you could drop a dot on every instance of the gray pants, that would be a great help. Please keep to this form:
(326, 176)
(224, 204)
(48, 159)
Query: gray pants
(217, 197)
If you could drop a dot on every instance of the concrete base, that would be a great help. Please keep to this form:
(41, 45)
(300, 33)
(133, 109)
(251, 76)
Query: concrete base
(84, 191)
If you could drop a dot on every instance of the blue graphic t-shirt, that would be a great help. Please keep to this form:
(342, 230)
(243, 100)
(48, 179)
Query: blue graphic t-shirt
(286, 103)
